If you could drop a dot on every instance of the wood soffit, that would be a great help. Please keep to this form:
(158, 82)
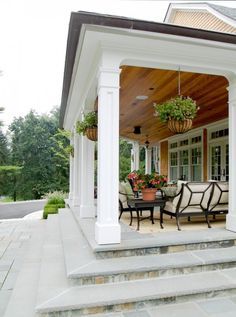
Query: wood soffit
(209, 91)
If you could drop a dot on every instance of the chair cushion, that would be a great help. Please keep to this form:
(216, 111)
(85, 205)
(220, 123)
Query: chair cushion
(169, 191)
(169, 206)
(223, 207)
(122, 195)
(220, 194)
(128, 189)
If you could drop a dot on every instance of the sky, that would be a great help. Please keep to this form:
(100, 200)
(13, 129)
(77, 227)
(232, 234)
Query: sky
(33, 35)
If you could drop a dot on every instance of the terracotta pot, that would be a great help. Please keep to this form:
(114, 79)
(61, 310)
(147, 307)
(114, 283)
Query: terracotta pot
(178, 126)
(149, 193)
(92, 133)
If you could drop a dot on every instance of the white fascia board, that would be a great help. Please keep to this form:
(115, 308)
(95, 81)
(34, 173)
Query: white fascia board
(82, 82)
(174, 7)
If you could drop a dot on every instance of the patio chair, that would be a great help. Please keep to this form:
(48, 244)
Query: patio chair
(192, 200)
(218, 202)
(125, 192)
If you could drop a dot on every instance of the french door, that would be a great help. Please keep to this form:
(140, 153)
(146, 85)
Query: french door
(219, 161)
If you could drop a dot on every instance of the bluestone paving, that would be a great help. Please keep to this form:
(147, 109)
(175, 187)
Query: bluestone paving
(45, 260)
(141, 313)
(141, 290)
(220, 305)
(22, 299)
(52, 277)
(177, 310)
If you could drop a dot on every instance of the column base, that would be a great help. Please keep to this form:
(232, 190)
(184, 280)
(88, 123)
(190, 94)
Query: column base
(75, 209)
(231, 222)
(75, 202)
(87, 211)
(107, 233)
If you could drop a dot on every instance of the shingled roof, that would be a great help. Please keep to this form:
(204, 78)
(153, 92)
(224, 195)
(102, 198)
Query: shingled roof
(228, 12)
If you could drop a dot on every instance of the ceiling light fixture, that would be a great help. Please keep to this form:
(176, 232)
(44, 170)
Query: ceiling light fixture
(141, 97)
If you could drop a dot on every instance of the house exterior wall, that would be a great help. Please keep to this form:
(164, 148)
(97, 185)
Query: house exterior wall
(164, 158)
(202, 20)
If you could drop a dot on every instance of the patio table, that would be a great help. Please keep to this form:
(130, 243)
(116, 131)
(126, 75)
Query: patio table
(138, 204)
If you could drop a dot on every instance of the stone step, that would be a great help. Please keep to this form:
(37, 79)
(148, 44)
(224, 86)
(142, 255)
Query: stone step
(122, 296)
(142, 267)
(134, 243)
(77, 251)
(83, 268)
(52, 277)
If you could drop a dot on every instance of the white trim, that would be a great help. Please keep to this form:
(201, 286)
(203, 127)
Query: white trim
(204, 7)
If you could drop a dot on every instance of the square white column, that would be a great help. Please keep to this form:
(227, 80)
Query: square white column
(71, 175)
(148, 160)
(87, 208)
(77, 173)
(135, 157)
(107, 228)
(231, 217)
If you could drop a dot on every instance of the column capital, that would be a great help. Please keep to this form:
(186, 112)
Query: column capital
(108, 78)
(232, 90)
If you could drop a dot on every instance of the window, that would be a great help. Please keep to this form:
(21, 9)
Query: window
(185, 158)
(174, 166)
(183, 142)
(174, 145)
(220, 133)
(196, 164)
(196, 139)
(183, 164)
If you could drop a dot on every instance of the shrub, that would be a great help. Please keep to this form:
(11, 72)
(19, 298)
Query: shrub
(49, 209)
(56, 198)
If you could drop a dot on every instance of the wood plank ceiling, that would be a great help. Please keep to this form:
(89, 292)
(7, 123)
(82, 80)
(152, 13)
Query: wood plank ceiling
(209, 91)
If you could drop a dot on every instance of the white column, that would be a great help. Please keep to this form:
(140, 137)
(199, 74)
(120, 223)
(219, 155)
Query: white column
(148, 160)
(135, 157)
(107, 228)
(76, 177)
(87, 208)
(231, 217)
(71, 176)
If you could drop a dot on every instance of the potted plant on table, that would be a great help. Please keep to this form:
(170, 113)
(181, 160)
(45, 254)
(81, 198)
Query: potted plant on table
(178, 113)
(147, 183)
(88, 126)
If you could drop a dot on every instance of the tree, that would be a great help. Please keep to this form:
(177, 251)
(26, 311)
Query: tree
(9, 178)
(32, 148)
(125, 159)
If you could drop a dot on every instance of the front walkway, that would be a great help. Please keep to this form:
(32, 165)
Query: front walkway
(15, 237)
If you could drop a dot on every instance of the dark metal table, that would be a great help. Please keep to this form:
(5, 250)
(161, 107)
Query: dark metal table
(138, 204)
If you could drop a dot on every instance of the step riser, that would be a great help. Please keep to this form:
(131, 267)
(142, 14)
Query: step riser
(130, 276)
(165, 249)
(146, 303)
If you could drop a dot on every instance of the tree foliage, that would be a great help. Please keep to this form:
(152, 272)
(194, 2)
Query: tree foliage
(32, 148)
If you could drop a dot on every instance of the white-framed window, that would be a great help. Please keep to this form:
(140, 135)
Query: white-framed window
(185, 157)
(218, 153)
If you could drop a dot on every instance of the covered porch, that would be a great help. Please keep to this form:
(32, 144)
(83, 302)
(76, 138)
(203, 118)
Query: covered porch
(121, 67)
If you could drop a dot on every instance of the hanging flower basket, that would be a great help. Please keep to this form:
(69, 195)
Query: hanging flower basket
(92, 133)
(179, 126)
(178, 113)
(88, 126)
